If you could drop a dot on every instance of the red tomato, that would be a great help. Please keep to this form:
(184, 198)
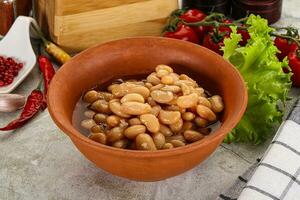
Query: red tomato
(193, 15)
(285, 47)
(200, 31)
(294, 63)
(226, 29)
(223, 29)
(245, 36)
(213, 44)
(183, 32)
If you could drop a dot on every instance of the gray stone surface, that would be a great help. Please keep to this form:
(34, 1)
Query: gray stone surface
(39, 162)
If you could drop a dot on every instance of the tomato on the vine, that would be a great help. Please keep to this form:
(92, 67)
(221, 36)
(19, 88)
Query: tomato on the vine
(294, 63)
(183, 32)
(193, 15)
(214, 42)
(285, 47)
(245, 36)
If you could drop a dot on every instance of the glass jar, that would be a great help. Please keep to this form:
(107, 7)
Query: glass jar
(222, 6)
(269, 9)
(7, 15)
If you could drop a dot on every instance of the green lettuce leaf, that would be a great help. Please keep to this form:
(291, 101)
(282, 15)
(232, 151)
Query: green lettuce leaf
(267, 84)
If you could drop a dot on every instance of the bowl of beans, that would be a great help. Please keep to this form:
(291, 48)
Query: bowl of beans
(147, 108)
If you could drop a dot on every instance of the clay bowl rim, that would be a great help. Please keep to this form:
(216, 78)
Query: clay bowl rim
(225, 128)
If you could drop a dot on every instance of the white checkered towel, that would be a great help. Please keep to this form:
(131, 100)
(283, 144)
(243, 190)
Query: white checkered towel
(277, 174)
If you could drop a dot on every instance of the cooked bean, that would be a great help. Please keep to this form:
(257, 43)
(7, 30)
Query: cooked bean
(151, 101)
(100, 118)
(186, 82)
(187, 101)
(201, 122)
(169, 117)
(88, 123)
(174, 76)
(157, 87)
(115, 107)
(205, 131)
(162, 96)
(177, 143)
(171, 88)
(161, 73)
(111, 87)
(167, 80)
(168, 146)
(89, 114)
(113, 120)
(132, 131)
(173, 102)
(135, 108)
(155, 110)
(185, 89)
(204, 101)
(90, 96)
(153, 79)
(134, 121)
(148, 85)
(115, 134)
(164, 67)
(123, 123)
(175, 108)
(187, 78)
(176, 128)
(159, 140)
(121, 144)
(165, 130)
(133, 97)
(119, 90)
(175, 137)
(97, 129)
(206, 113)
(192, 136)
(100, 106)
(142, 90)
(199, 92)
(163, 111)
(151, 122)
(106, 96)
(145, 142)
(187, 126)
(188, 116)
(217, 104)
(98, 137)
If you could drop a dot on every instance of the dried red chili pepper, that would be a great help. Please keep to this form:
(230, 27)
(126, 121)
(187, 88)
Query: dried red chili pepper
(34, 103)
(48, 71)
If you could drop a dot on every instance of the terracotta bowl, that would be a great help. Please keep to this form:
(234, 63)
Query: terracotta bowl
(139, 56)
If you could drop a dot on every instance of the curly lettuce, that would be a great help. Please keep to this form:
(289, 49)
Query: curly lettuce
(267, 84)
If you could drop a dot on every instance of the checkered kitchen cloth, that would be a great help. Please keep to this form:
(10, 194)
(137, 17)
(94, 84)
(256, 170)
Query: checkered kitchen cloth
(277, 175)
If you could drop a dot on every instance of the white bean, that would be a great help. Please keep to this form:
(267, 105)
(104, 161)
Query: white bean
(151, 122)
(135, 108)
(169, 117)
(187, 101)
(162, 96)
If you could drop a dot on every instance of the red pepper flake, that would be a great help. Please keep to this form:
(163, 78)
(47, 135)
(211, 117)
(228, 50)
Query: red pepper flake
(9, 69)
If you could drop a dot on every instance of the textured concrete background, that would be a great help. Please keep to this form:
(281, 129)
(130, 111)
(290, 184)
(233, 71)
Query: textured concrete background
(39, 162)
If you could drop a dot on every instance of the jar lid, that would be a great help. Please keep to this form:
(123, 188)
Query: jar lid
(258, 5)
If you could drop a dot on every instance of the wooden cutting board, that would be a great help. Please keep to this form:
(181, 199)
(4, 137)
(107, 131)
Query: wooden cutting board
(78, 24)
